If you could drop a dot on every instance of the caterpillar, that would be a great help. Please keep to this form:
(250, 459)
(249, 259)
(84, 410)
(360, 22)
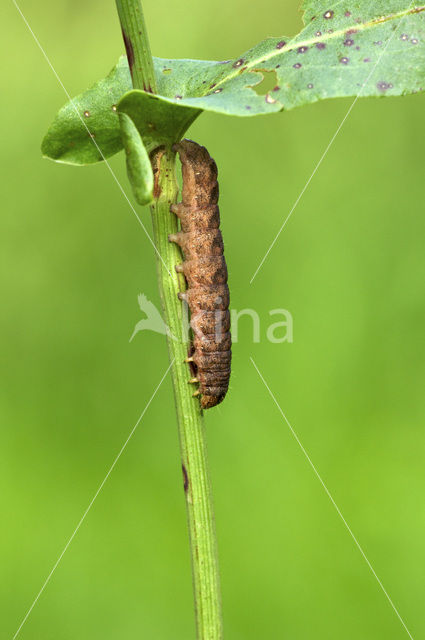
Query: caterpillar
(205, 270)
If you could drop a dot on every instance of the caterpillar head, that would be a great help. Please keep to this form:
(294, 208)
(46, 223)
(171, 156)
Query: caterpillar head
(200, 186)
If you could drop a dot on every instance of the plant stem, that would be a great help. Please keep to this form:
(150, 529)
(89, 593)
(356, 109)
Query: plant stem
(136, 42)
(196, 479)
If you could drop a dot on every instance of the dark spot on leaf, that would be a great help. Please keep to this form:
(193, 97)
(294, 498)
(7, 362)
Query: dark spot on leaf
(345, 60)
(277, 66)
(350, 32)
(247, 107)
(378, 43)
(280, 44)
(297, 65)
(185, 479)
(348, 43)
(404, 37)
(166, 71)
(302, 49)
(383, 86)
(238, 63)
(318, 34)
(347, 14)
(329, 15)
(276, 88)
(366, 60)
(320, 46)
(213, 85)
(178, 97)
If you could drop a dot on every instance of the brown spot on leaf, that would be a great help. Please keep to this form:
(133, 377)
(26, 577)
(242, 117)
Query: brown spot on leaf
(383, 86)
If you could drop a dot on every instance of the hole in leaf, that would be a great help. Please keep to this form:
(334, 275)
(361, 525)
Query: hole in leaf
(166, 71)
(267, 84)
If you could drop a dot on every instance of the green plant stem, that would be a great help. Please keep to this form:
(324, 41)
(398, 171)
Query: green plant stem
(136, 42)
(196, 479)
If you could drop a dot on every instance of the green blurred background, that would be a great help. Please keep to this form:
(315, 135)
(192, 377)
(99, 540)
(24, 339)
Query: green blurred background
(349, 266)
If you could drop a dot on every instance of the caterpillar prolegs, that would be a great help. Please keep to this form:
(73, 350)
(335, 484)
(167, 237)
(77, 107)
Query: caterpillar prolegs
(205, 270)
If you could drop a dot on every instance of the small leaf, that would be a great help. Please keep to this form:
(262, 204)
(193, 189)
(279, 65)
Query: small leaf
(139, 166)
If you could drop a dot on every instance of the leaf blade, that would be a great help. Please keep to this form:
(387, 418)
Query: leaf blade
(139, 168)
(89, 116)
(368, 49)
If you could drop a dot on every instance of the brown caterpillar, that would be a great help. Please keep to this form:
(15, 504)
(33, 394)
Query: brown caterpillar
(205, 271)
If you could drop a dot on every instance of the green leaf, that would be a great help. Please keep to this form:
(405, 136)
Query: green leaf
(88, 126)
(139, 167)
(158, 122)
(349, 48)
(87, 129)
